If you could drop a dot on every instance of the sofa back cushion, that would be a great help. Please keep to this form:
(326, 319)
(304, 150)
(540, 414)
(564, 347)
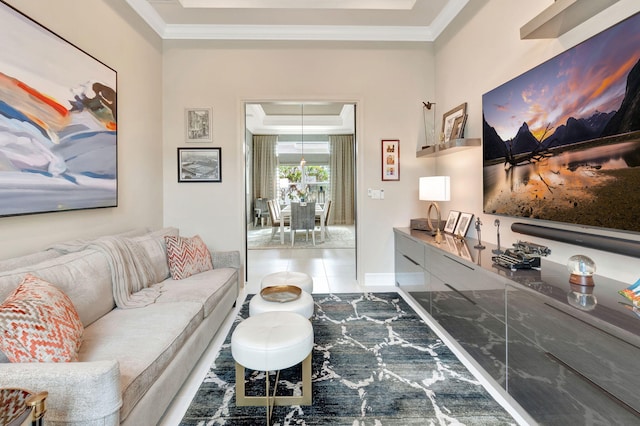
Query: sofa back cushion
(84, 276)
(155, 247)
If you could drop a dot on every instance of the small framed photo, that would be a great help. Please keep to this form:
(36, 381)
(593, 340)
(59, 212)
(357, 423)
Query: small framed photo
(199, 165)
(452, 221)
(198, 124)
(391, 159)
(450, 117)
(463, 224)
(457, 131)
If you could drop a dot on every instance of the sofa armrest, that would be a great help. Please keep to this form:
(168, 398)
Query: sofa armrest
(228, 259)
(225, 259)
(86, 393)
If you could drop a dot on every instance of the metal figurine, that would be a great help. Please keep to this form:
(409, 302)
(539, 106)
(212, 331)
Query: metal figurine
(497, 225)
(478, 225)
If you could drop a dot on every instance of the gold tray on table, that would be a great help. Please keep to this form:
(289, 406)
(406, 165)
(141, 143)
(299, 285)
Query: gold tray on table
(281, 293)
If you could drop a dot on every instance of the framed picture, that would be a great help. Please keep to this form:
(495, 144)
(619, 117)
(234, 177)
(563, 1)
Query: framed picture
(58, 122)
(450, 117)
(199, 165)
(463, 224)
(198, 124)
(391, 159)
(452, 221)
(457, 130)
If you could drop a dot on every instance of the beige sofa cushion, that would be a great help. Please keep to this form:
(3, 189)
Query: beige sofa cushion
(143, 340)
(206, 288)
(84, 276)
(156, 249)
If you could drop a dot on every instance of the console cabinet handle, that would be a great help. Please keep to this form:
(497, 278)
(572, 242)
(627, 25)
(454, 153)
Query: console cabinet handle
(411, 260)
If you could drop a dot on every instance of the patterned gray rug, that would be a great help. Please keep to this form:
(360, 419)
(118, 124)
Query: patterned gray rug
(375, 362)
(337, 236)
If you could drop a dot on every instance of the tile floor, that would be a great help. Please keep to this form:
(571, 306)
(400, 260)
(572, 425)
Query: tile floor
(333, 271)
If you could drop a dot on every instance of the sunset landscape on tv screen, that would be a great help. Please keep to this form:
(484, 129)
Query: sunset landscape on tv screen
(561, 142)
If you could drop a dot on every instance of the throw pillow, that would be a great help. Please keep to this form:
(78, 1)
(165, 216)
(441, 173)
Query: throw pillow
(38, 323)
(187, 256)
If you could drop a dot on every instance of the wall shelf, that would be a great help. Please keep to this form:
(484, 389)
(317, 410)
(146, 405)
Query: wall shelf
(449, 147)
(562, 16)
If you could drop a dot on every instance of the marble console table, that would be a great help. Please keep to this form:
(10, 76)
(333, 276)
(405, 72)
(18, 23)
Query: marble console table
(563, 365)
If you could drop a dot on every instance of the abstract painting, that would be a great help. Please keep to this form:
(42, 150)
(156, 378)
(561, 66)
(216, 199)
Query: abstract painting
(58, 132)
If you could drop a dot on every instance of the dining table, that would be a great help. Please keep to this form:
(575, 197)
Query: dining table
(285, 213)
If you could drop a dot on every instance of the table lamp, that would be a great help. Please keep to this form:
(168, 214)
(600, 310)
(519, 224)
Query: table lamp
(435, 188)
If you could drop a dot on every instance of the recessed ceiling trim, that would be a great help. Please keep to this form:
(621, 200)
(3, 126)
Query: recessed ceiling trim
(149, 14)
(297, 32)
(301, 4)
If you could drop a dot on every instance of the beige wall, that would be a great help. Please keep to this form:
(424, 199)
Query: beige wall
(388, 81)
(479, 52)
(110, 31)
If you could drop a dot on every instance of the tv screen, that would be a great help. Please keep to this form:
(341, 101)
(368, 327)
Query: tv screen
(561, 142)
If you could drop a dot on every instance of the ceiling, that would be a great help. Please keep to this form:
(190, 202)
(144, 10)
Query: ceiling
(295, 118)
(300, 20)
(345, 20)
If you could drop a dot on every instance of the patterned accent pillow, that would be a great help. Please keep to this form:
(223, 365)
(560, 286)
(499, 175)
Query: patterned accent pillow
(187, 256)
(38, 323)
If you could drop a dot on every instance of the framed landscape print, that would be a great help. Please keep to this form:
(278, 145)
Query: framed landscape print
(391, 159)
(198, 124)
(58, 122)
(199, 165)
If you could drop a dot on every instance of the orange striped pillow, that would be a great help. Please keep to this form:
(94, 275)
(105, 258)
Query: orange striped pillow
(38, 323)
(187, 256)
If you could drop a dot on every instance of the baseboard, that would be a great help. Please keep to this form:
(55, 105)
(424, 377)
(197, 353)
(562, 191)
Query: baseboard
(376, 280)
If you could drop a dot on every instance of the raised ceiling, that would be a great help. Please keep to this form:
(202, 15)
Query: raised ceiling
(357, 20)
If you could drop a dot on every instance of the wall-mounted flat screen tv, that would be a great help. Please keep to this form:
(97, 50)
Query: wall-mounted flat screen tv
(561, 142)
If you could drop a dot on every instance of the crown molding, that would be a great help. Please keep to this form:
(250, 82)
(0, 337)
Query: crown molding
(297, 32)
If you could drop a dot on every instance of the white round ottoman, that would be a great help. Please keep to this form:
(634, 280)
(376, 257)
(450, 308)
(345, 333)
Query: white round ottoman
(272, 341)
(298, 279)
(303, 305)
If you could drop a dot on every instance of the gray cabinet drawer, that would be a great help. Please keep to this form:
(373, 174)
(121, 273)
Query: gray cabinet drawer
(588, 351)
(413, 250)
(460, 275)
(408, 272)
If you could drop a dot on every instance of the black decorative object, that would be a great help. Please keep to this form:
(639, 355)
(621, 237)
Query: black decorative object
(599, 242)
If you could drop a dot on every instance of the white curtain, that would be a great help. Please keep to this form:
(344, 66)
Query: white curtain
(341, 166)
(265, 164)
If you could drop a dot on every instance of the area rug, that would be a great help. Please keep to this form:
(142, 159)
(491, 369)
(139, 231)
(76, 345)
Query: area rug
(336, 236)
(374, 362)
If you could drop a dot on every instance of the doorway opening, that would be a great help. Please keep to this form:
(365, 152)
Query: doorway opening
(299, 153)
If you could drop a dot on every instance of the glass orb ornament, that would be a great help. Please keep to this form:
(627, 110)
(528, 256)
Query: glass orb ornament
(581, 269)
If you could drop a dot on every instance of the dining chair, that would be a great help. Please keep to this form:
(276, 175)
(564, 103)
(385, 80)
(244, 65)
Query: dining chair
(326, 210)
(274, 216)
(260, 211)
(303, 216)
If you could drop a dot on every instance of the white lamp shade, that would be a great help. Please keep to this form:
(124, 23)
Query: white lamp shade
(435, 188)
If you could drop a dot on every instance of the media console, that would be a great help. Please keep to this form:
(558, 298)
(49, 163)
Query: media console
(563, 365)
